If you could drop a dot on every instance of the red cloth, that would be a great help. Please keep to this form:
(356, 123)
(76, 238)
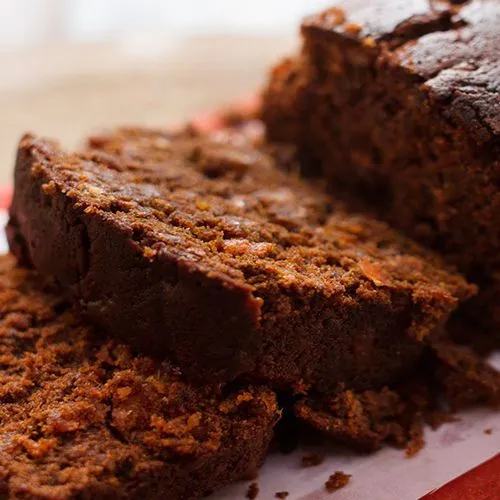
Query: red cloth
(480, 483)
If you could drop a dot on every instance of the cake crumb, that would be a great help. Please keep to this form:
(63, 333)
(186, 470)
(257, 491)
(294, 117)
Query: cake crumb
(337, 481)
(414, 446)
(334, 16)
(281, 494)
(488, 431)
(253, 491)
(352, 28)
(416, 440)
(312, 459)
(369, 42)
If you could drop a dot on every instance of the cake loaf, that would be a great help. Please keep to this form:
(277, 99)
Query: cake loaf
(204, 251)
(83, 417)
(397, 103)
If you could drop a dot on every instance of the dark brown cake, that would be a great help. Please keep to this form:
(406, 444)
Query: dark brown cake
(398, 103)
(82, 417)
(451, 378)
(205, 251)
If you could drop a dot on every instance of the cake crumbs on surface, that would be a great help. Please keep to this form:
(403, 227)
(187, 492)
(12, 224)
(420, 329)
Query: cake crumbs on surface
(253, 491)
(417, 441)
(312, 459)
(353, 28)
(281, 494)
(334, 16)
(488, 431)
(337, 481)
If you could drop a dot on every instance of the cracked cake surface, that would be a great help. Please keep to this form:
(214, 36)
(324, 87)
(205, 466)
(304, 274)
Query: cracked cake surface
(398, 104)
(203, 249)
(84, 417)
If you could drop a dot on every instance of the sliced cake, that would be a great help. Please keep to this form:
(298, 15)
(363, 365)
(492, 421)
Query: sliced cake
(83, 417)
(397, 103)
(203, 250)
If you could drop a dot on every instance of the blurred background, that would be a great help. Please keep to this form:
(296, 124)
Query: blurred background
(71, 67)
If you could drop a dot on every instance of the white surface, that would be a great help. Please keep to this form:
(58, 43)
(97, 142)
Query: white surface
(386, 475)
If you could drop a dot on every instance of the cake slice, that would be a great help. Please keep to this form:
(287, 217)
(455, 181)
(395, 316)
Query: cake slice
(203, 250)
(84, 417)
(397, 103)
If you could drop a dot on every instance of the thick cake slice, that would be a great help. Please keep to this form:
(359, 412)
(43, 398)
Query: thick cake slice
(82, 417)
(398, 103)
(204, 250)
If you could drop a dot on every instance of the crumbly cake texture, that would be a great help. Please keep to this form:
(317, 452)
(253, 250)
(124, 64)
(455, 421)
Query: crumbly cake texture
(337, 481)
(202, 249)
(82, 417)
(451, 378)
(397, 103)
